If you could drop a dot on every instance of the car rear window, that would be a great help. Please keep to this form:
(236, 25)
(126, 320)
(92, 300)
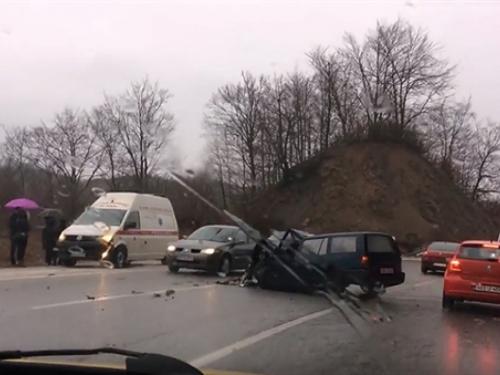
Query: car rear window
(443, 246)
(376, 243)
(478, 253)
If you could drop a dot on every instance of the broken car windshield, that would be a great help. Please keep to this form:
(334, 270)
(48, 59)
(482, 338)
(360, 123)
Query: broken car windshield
(110, 217)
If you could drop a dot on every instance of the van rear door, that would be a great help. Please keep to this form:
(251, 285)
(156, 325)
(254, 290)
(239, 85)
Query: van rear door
(384, 256)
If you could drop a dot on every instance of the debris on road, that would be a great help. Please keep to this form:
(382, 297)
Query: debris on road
(229, 281)
(48, 287)
(156, 295)
(170, 292)
(90, 297)
(136, 292)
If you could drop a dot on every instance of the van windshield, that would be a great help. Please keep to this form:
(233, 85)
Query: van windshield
(110, 217)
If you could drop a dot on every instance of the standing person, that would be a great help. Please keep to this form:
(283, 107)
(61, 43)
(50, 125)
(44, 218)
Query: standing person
(62, 226)
(19, 230)
(49, 239)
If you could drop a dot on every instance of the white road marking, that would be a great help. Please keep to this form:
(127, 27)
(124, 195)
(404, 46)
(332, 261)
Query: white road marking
(120, 296)
(424, 283)
(224, 352)
(51, 273)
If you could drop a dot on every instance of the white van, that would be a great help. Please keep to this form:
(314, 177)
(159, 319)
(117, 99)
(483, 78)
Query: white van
(121, 228)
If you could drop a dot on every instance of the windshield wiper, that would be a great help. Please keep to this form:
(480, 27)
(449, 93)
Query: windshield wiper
(136, 362)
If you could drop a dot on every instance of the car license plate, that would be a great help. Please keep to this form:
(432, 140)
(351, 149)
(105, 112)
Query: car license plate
(486, 288)
(440, 264)
(386, 270)
(185, 257)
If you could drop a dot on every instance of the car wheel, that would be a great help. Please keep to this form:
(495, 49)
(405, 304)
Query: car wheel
(120, 258)
(448, 303)
(424, 270)
(224, 266)
(173, 269)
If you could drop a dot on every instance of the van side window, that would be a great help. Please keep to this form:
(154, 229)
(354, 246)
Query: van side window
(240, 236)
(313, 245)
(343, 244)
(133, 217)
(376, 243)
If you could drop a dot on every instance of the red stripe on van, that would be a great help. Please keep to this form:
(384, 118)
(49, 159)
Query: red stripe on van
(140, 232)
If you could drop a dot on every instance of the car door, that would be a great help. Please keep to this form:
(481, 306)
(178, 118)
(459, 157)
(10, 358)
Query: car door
(132, 236)
(242, 250)
(315, 250)
(343, 252)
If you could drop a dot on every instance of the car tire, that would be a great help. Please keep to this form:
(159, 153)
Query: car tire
(424, 270)
(120, 257)
(447, 302)
(173, 269)
(69, 262)
(224, 268)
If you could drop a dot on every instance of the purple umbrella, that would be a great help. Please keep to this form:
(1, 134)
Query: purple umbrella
(24, 203)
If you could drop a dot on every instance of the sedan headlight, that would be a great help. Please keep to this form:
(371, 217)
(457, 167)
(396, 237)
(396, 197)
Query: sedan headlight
(171, 248)
(208, 251)
(62, 237)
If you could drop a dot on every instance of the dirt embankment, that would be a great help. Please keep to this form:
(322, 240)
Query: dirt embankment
(373, 187)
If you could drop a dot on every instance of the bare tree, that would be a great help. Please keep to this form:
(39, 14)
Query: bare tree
(338, 105)
(68, 150)
(481, 166)
(144, 127)
(399, 63)
(236, 112)
(108, 139)
(16, 152)
(448, 130)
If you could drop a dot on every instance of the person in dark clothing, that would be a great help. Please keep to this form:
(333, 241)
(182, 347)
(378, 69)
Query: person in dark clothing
(62, 226)
(19, 231)
(49, 239)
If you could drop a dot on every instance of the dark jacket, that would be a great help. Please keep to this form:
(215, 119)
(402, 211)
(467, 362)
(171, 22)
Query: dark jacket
(19, 225)
(49, 234)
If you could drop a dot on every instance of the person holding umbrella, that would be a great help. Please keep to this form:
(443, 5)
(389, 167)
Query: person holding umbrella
(50, 233)
(49, 239)
(19, 230)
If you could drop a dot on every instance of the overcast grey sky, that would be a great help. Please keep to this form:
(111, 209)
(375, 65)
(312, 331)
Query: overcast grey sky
(62, 53)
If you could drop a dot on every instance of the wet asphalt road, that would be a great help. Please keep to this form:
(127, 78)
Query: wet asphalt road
(231, 328)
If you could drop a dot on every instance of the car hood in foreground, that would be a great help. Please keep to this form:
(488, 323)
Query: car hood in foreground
(115, 366)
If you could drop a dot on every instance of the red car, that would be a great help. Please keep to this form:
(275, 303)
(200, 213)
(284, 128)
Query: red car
(437, 255)
(473, 274)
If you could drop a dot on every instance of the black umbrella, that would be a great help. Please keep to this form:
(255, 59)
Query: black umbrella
(50, 212)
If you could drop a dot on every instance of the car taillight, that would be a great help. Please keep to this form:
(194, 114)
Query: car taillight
(425, 253)
(455, 266)
(364, 261)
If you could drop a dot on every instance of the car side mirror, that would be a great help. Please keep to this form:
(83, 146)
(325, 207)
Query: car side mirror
(130, 225)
